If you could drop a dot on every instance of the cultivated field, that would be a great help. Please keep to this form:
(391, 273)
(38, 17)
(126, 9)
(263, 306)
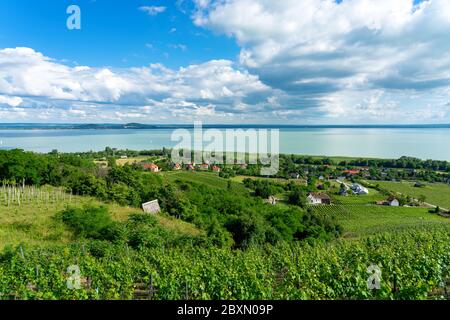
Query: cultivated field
(436, 193)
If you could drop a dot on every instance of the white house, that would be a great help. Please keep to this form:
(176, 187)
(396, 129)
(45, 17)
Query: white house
(318, 198)
(359, 189)
(393, 202)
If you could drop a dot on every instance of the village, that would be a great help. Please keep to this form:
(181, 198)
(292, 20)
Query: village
(322, 185)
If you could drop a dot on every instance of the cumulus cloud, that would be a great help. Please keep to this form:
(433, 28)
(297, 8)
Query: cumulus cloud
(33, 80)
(10, 101)
(316, 50)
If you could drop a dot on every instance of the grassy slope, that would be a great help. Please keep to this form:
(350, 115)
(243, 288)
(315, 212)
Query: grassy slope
(437, 193)
(208, 178)
(34, 224)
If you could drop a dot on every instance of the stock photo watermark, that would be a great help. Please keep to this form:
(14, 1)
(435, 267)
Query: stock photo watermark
(74, 20)
(230, 146)
(74, 280)
(374, 280)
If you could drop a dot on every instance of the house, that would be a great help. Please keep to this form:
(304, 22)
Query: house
(123, 157)
(321, 178)
(271, 200)
(243, 166)
(318, 198)
(392, 202)
(359, 189)
(151, 167)
(351, 172)
(216, 168)
(204, 166)
(294, 175)
(151, 207)
(177, 166)
(190, 167)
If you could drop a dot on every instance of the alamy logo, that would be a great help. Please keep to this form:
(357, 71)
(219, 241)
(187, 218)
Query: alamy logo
(74, 20)
(374, 280)
(74, 280)
(230, 146)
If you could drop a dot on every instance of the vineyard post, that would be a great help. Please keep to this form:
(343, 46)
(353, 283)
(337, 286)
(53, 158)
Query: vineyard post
(186, 293)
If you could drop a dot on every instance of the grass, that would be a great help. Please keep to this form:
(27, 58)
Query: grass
(353, 199)
(240, 179)
(436, 193)
(122, 162)
(33, 222)
(210, 179)
(359, 220)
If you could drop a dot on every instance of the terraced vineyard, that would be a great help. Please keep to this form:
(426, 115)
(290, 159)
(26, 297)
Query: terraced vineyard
(359, 220)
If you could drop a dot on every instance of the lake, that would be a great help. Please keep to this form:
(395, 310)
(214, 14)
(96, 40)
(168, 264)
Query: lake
(424, 143)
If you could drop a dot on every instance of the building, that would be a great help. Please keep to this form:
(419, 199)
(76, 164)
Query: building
(151, 207)
(204, 166)
(392, 202)
(294, 175)
(177, 166)
(318, 198)
(271, 200)
(359, 189)
(351, 172)
(190, 167)
(216, 169)
(151, 167)
(123, 157)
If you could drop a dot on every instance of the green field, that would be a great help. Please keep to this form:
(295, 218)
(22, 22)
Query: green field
(436, 193)
(352, 199)
(359, 220)
(208, 178)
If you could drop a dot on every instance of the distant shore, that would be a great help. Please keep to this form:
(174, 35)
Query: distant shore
(134, 126)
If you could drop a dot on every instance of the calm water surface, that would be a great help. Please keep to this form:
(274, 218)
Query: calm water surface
(424, 143)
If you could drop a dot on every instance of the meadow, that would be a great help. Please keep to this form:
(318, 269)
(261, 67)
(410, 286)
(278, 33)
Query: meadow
(435, 193)
(33, 221)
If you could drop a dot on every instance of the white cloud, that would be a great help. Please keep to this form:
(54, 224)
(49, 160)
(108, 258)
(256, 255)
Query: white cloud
(30, 79)
(11, 101)
(153, 10)
(315, 50)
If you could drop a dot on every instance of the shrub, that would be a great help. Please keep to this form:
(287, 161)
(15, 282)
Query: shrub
(90, 221)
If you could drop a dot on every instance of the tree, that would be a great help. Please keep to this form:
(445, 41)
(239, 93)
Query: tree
(297, 197)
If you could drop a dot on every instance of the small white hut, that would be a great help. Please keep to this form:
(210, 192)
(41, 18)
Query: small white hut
(151, 207)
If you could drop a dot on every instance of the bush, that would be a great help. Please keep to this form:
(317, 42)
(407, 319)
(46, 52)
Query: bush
(90, 221)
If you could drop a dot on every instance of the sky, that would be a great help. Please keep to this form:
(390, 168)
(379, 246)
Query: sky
(226, 61)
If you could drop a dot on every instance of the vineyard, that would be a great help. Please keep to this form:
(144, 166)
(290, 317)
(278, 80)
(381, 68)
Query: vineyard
(369, 219)
(17, 196)
(414, 265)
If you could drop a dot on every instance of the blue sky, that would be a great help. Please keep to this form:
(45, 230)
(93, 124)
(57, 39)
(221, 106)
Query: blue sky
(114, 33)
(234, 61)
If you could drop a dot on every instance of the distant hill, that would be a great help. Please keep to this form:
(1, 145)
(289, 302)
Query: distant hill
(134, 126)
